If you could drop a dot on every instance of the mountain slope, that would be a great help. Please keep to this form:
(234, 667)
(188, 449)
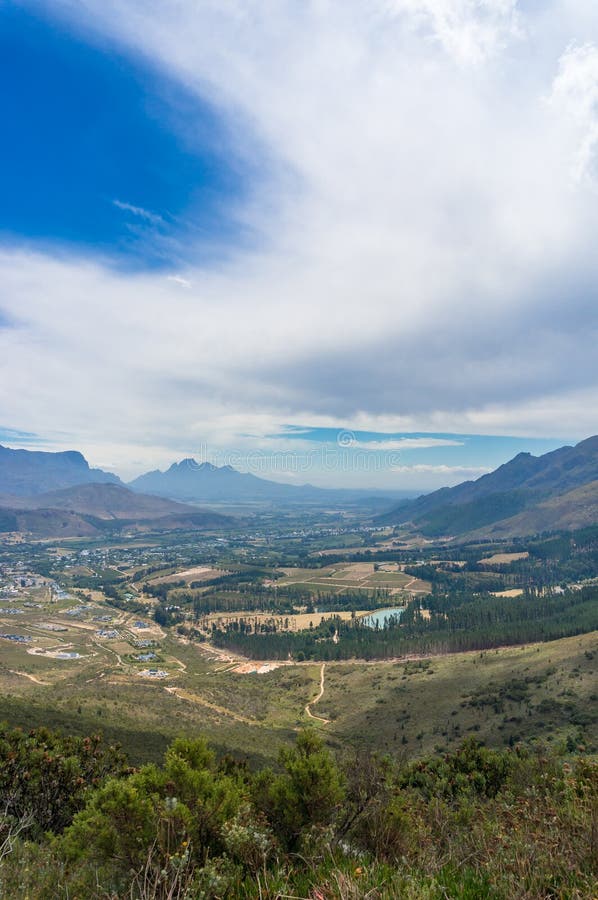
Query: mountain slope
(27, 472)
(510, 494)
(574, 509)
(45, 523)
(85, 510)
(106, 501)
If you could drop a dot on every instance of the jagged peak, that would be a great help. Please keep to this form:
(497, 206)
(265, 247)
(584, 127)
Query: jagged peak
(187, 463)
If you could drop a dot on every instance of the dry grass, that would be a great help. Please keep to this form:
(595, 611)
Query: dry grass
(198, 573)
(295, 622)
(502, 559)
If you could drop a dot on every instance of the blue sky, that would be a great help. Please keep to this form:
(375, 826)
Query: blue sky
(426, 447)
(241, 230)
(104, 155)
(378, 458)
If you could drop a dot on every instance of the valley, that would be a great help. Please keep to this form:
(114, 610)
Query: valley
(160, 634)
(407, 675)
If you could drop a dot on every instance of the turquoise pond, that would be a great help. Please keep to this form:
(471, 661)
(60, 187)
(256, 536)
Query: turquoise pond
(377, 618)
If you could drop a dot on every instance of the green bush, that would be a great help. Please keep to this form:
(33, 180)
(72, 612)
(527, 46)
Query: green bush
(46, 777)
(477, 824)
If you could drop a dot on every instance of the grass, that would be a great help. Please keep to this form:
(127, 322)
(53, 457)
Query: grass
(501, 696)
(498, 559)
(295, 621)
(405, 708)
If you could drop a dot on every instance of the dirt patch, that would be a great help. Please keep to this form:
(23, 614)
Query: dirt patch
(30, 677)
(503, 559)
(257, 668)
(198, 573)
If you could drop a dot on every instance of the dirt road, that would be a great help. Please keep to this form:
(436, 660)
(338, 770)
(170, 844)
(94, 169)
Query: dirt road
(319, 697)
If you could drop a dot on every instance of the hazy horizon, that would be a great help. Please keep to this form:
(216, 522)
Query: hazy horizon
(346, 459)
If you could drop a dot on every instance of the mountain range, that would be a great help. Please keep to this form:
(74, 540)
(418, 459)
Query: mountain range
(26, 473)
(192, 481)
(58, 493)
(528, 494)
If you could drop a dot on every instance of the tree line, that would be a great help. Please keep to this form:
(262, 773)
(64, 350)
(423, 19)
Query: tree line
(454, 623)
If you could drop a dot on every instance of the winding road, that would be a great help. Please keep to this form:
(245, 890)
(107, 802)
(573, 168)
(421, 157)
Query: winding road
(319, 697)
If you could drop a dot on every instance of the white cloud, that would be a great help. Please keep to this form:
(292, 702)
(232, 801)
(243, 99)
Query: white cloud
(178, 279)
(456, 471)
(422, 260)
(575, 95)
(152, 218)
(471, 31)
(436, 476)
(422, 443)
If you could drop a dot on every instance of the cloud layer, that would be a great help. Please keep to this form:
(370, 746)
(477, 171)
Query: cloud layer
(421, 222)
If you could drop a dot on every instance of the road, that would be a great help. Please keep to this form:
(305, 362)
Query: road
(319, 697)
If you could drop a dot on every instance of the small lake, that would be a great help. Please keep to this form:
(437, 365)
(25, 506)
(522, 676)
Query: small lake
(377, 618)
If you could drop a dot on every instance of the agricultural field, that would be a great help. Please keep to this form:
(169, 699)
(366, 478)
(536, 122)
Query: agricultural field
(197, 573)
(364, 576)
(502, 559)
(292, 622)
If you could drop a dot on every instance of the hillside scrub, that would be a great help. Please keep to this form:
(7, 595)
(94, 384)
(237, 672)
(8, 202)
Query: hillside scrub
(476, 823)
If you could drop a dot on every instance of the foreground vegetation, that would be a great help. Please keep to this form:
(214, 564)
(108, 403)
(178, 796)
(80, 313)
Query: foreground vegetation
(445, 763)
(475, 823)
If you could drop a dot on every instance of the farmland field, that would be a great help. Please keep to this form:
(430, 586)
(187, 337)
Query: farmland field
(500, 559)
(355, 576)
